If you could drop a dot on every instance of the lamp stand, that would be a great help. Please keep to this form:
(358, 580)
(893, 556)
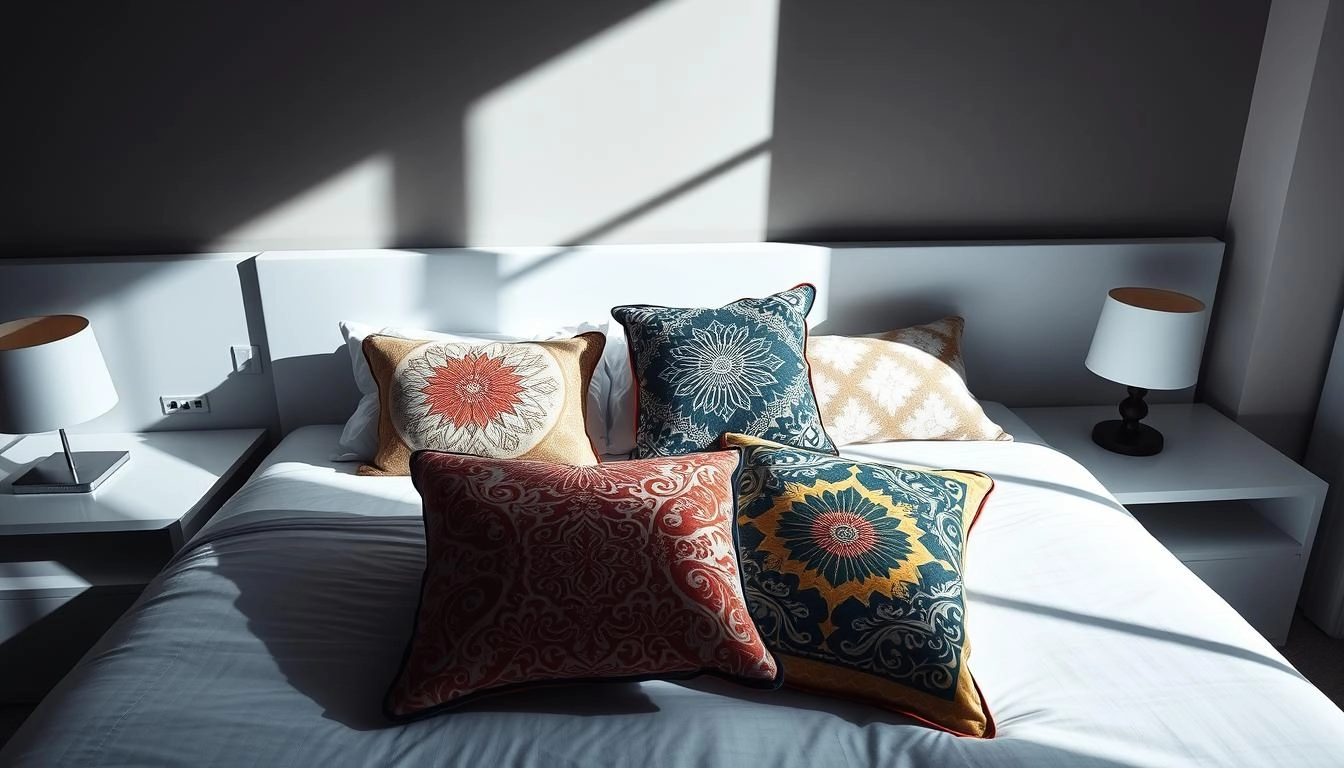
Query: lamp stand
(1127, 435)
(68, 472)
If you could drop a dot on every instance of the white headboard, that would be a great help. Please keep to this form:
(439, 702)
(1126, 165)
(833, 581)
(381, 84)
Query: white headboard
(1030, 308)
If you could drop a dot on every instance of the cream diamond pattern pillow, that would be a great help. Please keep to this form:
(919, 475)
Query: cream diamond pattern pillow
(907, 384)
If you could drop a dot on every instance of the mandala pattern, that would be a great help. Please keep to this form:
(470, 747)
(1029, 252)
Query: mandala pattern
(740, 368)
(853, 575)
(843, 538)
(540, 573)
(721, 370)
(907, 384)
(496, 399)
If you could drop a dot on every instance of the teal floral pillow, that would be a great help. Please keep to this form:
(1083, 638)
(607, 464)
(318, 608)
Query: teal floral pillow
(740, 368)
(853, 575)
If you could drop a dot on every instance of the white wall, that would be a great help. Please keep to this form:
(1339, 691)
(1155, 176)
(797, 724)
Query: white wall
(166, 327)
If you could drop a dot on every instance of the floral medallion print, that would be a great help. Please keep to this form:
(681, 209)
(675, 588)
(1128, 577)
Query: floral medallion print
(739, 368)
(853, 573)
(538, 572)
(844, 538)
(824, 387)
(721, 369)
(890, 383)
(843, 354)
(932, 417)
(854, 423)
(492, 399)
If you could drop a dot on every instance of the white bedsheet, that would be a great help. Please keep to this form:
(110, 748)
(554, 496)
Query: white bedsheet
(271, 641)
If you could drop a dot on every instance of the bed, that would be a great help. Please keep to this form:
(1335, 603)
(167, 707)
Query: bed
(271, 641)
(272, 638)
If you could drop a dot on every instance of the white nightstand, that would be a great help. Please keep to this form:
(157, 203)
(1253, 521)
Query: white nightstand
(70, 564)
(1238, 513)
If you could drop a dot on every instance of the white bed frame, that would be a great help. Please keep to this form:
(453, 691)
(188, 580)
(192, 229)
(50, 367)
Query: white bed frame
(1030, 308)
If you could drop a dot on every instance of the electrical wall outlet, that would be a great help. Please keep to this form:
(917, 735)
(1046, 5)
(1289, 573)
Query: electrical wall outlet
(184, 404)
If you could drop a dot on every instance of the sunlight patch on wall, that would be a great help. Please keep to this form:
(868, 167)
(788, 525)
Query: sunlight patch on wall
(612, 140)
(351, 209)
(730, 207)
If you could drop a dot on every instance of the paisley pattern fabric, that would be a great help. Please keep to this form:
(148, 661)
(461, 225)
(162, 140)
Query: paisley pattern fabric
(906, 384)
(854, 577)
(739, 368)
(539, 572)
(492, 398)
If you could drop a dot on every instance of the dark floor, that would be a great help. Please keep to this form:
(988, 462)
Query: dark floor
(10, 720)
(1317, 656)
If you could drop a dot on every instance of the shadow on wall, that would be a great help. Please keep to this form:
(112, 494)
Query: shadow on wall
(165, 326)
(990, 120)
(167, 128)
(183, 122)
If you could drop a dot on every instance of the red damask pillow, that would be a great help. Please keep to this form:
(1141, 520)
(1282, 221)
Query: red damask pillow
(543, 573)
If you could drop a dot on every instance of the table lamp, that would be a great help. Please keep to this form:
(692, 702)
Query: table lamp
(1146, 338)
(52, 376)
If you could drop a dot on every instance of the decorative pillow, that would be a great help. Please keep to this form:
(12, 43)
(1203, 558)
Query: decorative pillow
(502, 399)
(359, 439)
(740, 368)
(544, 573)
(907, 384)
(854, 578)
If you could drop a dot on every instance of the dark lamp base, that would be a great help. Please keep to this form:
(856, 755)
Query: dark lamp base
(52, 474)
(1138, 440)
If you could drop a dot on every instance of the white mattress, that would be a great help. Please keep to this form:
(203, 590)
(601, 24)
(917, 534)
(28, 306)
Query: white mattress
(271, 639)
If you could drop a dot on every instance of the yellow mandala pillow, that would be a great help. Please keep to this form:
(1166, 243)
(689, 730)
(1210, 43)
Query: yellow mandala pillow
(853, 575)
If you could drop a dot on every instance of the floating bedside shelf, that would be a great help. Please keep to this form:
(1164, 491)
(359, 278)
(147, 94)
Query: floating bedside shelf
(1215, 530)
(1238, 513)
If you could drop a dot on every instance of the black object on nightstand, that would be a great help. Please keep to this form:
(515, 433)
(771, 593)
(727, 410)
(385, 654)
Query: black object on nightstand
(1128, 435)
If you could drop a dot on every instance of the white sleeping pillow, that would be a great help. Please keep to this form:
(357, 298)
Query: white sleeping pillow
(598, 415)
(359, 439)
(622, 406)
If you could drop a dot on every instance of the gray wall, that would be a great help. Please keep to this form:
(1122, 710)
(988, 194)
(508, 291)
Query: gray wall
(1323, 588)
(169, 127)
(163, 127)
(1284, 277)
(930, 120)
(1310, 252)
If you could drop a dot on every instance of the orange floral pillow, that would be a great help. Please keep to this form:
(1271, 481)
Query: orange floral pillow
(502, 400)
(907, 384)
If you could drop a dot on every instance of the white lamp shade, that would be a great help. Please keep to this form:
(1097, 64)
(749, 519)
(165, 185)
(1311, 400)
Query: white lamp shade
(1149, 338)
(52, 374)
